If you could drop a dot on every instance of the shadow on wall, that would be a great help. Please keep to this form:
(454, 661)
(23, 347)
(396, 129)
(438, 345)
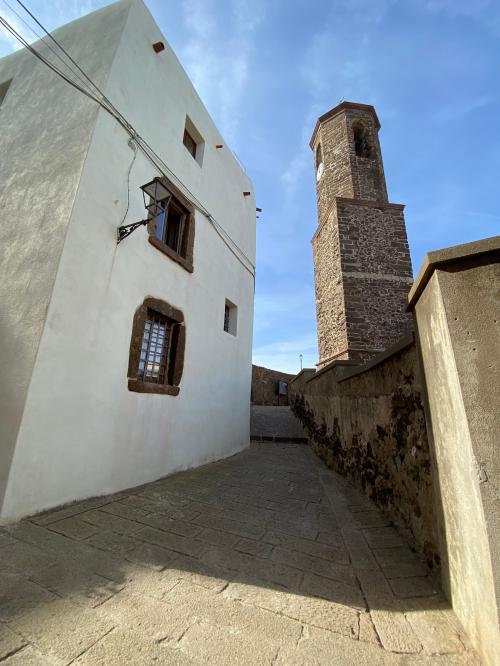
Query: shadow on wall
(369, 426)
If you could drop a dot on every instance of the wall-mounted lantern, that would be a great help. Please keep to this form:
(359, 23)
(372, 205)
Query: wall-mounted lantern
(157, 193)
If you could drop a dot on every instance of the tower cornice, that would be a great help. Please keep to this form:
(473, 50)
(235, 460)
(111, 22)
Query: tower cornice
(344, 106)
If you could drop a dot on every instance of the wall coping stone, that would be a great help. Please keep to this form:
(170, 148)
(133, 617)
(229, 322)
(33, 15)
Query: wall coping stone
(331, 366)
(394, 349)
(302, 372)
(439, 258)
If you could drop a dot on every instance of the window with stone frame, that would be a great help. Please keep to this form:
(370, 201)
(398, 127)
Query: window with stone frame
(362, 145)
(156, 357)
(171, 230)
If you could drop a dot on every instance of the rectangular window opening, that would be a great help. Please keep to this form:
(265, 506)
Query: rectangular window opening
(170, 225)
(193, 141)
(230, 317)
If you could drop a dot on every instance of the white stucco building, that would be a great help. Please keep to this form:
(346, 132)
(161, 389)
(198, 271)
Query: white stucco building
(82, 412)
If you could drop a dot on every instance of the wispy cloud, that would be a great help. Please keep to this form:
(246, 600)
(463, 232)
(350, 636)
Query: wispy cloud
(217, 56)
(463, 108)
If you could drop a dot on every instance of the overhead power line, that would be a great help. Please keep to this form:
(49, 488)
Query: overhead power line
(93, 92)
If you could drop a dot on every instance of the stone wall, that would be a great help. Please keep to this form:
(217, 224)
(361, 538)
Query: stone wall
(368, 424)
(264, 391)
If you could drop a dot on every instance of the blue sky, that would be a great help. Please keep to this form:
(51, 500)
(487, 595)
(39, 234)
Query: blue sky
(267, 70)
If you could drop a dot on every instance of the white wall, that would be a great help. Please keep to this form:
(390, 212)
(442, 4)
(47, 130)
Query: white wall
(83, 433)
(45, 129)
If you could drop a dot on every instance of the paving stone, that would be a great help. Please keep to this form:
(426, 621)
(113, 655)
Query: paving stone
(383, 537)
(109, 521)
(75, 583)
(10, 642)
(19, 595)
(6, 539)
(30, 656)
(175, 542)
(218, 538)
(331, 538)
(219, 611)
(395, 632)
(419, 586)
(360, 553)
(228, 525)
(55, 515)
(320, 648)
(263, 570)
(145, 617)
(151, 556)
(74, 527)
(121, 647)
(305, 562)
(341, 592)
(132, 512)
(225, 646)
(25, 558)
(62, 629)
(258, 572)
(400, 562)
(117, 543)
(308, 610)
(370, 519)
(367, 631)
(435, 632)
(163, 522)
(322, 550)
(257, 548)
(213, 578)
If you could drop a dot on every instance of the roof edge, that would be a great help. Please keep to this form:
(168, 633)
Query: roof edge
(344, 106)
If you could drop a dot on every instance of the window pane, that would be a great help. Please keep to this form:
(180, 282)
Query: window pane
(160, 222)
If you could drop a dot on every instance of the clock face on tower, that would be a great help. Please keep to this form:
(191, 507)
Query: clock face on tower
(319, 171)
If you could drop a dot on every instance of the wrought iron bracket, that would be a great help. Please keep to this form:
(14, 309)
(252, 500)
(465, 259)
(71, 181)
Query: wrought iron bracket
(127, 229)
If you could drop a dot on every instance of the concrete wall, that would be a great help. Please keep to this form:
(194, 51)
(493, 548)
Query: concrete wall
(83, 433)
(264, 391)
(45, 130)
(456, 300)
(368, 424)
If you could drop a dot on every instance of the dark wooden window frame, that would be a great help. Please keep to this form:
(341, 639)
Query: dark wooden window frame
(176, 348)
(184, 257)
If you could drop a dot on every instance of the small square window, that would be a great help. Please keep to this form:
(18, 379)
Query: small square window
(193, 141)
(230, 317)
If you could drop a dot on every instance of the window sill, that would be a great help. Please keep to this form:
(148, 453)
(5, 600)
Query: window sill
(185, 263)
(149, 387)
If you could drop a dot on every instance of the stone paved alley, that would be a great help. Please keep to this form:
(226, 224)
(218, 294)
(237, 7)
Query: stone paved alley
(265, 558)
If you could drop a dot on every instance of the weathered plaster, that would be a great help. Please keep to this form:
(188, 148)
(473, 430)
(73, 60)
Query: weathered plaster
(456, 310)
(45, 130)
(83, 432)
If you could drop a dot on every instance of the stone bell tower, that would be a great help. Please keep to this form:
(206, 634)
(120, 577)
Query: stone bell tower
(362, 265)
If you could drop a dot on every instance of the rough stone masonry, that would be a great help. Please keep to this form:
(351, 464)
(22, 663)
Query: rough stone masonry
(362, 263)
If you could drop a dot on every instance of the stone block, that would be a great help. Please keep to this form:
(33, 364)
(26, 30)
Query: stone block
(62, 629)
(175, 542)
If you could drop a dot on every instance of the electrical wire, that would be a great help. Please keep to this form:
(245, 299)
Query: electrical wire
(142, 144)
